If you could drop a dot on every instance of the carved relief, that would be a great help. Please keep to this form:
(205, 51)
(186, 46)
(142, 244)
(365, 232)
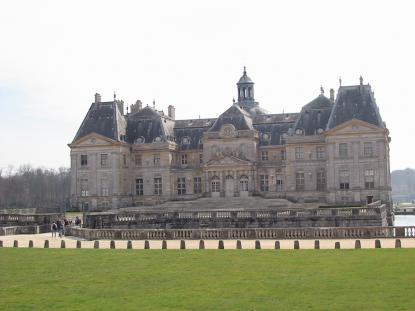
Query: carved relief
(228, 131)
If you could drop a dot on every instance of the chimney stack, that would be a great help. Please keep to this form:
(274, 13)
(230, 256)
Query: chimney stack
(136, 107)
(332, 95)
(97, 98)
(172, 112)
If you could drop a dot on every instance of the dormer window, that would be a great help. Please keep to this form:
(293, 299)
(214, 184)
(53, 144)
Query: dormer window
(299, 131)
(139, 140)
(185, 140)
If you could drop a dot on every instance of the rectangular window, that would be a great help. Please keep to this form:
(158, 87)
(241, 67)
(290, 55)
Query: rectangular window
(368, 149)
(84, 187)
(84, 160)
(200, 158)
(157, 186)
(343, 150)
(344, 179)
(139, 186)
(280, 184)
(156, 159)
(244, 184)
(264, 155)
(321, 180)
(215, 185)
(299, 153)
(197, 185)
(369, 179)
(138, 160)
(181, 186)
(299, 181)
(283, 155)
(104, 187)
(263, 183)
(104, 160)
(184, 159)
(320, 153)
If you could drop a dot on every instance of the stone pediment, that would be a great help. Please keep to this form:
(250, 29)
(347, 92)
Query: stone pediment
(228, 161)
(354, 126)
(93, 139)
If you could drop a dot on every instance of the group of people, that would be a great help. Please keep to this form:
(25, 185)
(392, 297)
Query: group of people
(58, 226)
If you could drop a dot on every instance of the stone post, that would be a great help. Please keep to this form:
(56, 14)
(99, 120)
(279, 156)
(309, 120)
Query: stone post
(63, 245)
(146, 244)
(277, 245)
(398, 243)
(220, 245)
(201, 244)
(238, 244)
(78, 244)
(337, 245)
(96, 244)
(257, 244)
(182, 244)
(46, 244)
(15, 243)
(296, 244)
(129, 244)
(164, 244)
(317, 244)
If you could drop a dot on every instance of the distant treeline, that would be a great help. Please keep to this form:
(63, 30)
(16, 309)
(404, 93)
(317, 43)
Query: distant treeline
(41, 188)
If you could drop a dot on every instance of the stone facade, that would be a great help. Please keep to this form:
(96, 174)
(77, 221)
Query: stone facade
(335, 151)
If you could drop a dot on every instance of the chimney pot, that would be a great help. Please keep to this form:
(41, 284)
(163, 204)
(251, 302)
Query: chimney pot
(332, 94)
(172, 112)
(97, 98)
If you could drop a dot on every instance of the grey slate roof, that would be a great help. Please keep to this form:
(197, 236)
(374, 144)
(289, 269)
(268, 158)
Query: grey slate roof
(235, 116)
(270, 134)
(321, 113)
(355, 102)
(150, 125)
(101, 119)
(315, 115)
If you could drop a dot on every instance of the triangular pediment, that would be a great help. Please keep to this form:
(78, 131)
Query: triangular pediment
(354, 126)
(93, 139)
(228, 161)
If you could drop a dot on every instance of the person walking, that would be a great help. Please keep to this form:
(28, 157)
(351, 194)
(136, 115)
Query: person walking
(54, 228)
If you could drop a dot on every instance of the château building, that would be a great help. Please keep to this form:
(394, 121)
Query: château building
(334, 151)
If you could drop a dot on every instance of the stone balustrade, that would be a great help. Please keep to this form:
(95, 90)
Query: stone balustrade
(26, 220)
(235, 233)
(290, 217)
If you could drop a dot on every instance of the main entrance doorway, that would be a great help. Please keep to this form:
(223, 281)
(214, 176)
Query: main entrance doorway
(229, 186)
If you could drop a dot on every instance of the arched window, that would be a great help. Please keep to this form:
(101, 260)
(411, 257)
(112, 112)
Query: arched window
(243, 183)
(215, 184)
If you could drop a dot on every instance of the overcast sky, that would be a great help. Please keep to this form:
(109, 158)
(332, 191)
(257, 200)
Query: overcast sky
(54, 55)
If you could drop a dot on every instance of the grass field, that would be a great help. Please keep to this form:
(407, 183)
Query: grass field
(71, 279)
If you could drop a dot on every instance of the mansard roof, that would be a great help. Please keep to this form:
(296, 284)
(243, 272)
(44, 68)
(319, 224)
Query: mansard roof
(148, 126)
(101, 119)
(314, 116)
(235, 116)
(355, 102)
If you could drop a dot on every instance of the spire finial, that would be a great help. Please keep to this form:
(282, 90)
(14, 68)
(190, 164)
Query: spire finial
(244, 70)
(340, 81)
(361, 80)
(233, 100)
(154, 104)
(115, 96)
(321, 90)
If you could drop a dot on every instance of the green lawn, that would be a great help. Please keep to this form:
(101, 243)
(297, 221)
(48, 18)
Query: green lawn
(72, 279)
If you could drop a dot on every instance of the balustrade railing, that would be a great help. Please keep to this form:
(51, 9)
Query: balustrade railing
(236, 233)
